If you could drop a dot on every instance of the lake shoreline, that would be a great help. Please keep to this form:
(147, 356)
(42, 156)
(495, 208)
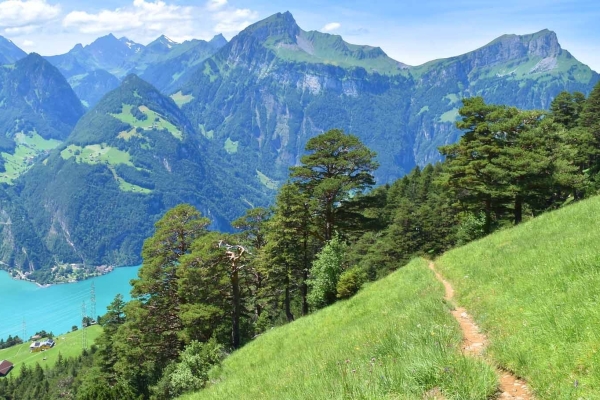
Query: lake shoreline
(101, 271)
(59, 307)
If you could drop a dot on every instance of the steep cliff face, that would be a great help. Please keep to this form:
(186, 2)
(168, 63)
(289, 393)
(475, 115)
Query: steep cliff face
(263, 95)
(258, 103)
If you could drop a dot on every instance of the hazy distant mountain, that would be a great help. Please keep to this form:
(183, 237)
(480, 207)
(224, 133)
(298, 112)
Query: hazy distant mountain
(97, 68)
(9, 52)
(35, 97)
(180, 63)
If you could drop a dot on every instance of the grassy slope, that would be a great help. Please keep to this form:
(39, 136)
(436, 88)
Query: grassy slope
(69, 345)
(29, 147)
(535, 290)
(395, 340)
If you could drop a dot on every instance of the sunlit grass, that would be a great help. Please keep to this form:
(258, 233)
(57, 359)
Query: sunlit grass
(29, 147)
(535, 290)
(181, 99)
(395, 339)
(68, 345)
(154, 120)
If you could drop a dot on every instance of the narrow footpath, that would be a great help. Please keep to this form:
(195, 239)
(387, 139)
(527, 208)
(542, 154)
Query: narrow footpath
(475, 342)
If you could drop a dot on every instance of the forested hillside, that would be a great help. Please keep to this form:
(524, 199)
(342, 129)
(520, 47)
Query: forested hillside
(96, 198)
(201, 294)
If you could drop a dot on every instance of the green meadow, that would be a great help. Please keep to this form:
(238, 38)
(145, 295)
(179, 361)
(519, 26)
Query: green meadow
(181, 99)
(68, 345)
(29, 147)
(535, 291)
(103, 154)
(394, 340)
(153, 120)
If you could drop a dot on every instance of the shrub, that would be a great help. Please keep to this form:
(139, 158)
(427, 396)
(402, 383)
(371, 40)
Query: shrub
(350, 282)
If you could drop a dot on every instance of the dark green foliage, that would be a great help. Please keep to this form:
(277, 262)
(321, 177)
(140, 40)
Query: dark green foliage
(566, 108)
(191, 373)
(10, 341)
(337, 166)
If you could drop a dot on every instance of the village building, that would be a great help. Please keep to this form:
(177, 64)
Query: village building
(42, 345)
(5, 368)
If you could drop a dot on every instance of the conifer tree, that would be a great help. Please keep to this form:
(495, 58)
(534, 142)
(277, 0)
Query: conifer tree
(337, 166)
(287, 256)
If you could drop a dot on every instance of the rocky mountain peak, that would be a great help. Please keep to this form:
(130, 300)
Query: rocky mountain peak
(543, 44)
(218, 41)
(278, 27)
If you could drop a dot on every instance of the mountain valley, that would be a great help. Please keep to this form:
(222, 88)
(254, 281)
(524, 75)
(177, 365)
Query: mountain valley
(239, 116)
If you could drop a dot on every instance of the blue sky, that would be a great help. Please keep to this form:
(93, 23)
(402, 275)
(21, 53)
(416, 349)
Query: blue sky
(410, 31)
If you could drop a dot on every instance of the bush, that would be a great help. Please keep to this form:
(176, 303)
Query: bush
(191, 372)
(325, 273)
(471, 228)
(350, 282)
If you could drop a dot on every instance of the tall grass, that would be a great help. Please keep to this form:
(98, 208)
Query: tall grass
(535, 290)
(395, 339)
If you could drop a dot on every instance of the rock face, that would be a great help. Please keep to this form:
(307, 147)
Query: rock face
(274, 86)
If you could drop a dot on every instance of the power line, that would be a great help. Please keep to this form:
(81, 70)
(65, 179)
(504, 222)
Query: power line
(93, 301)
(83, 331)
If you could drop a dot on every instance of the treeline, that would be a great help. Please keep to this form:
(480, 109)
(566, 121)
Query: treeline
(201, 294)
(10, 341)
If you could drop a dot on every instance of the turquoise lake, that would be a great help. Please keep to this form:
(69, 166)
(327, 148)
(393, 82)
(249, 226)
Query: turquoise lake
(56, 308)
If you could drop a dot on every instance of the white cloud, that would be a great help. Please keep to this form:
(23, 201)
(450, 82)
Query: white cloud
(144, 20)
(147, 17)
(233, 20)
(213, 5)
(332, 26)
(27, 43)
(23, 16)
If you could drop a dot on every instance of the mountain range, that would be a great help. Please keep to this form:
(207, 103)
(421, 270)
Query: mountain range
(100, 141)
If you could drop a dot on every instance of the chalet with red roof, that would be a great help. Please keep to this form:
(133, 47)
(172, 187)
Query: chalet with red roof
(5, 367)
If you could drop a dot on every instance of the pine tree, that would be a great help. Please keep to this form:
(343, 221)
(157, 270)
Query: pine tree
(156, 291)
(337, 166)
(289, 251)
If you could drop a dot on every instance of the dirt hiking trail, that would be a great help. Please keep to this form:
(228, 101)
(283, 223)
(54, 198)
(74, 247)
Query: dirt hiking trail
(475, 342)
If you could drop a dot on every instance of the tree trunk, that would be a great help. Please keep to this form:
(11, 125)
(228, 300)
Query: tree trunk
(488, 215)
(235, 316)
(304, 286)
(518, 210)
(288, 300)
